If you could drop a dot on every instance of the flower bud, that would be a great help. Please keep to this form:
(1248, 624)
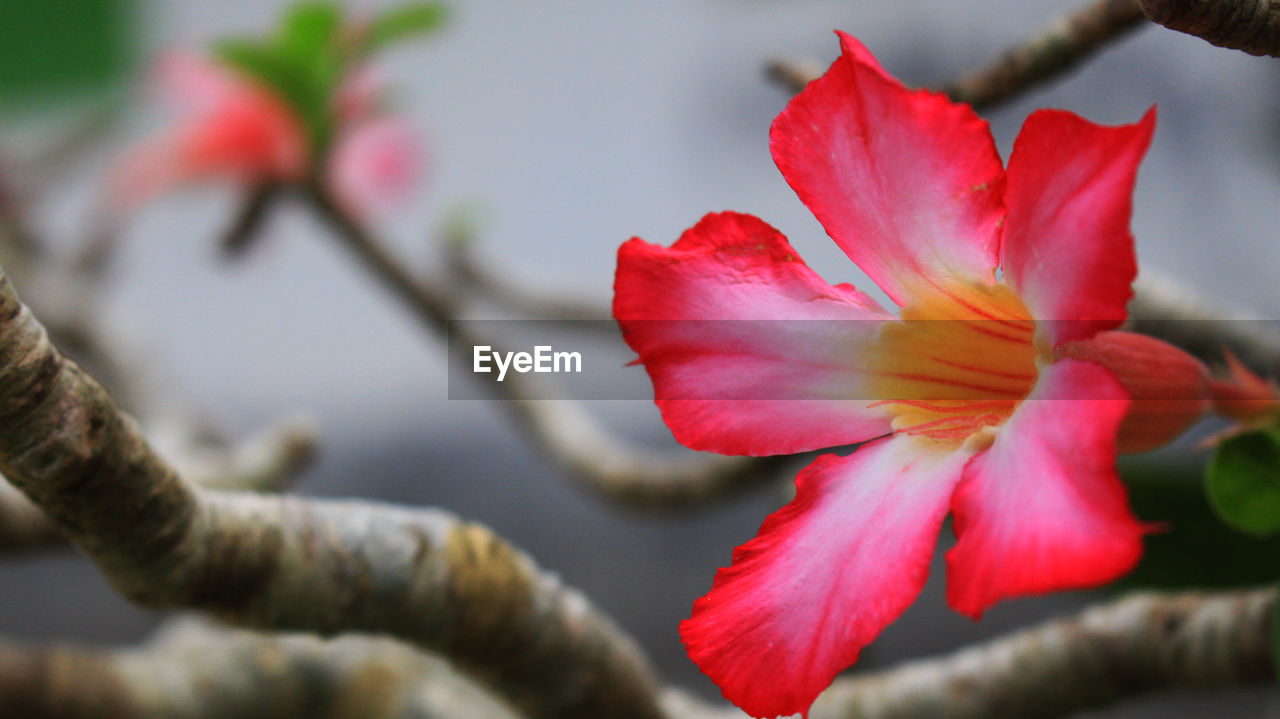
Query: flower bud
(1243, 396)
(1169, 389)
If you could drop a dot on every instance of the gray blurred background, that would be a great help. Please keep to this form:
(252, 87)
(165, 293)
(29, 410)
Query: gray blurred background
(573, 126)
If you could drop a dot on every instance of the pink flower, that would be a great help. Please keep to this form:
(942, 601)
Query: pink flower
(231, 127)
(998, 395)
(376, 163)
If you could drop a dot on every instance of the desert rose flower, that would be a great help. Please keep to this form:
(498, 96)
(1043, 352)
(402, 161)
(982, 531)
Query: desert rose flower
(999, 393)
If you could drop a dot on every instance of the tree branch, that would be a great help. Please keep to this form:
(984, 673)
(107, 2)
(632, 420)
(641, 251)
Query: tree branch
(275, 563)
(1049, 53)
(195, 671)
(603, 462)
(267, 462)
(1252, 26)
(1134, 646)
(1165, 308)
(470, 275)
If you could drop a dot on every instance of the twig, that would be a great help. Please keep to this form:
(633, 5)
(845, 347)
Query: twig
(1138, 645)
(1047, 54)
(321, 566)
(471, 276)
(604, 463)
(193, 670)
(1165, 308)
(269, 461)
(244, 228)
(1252, 26)
(792, 75)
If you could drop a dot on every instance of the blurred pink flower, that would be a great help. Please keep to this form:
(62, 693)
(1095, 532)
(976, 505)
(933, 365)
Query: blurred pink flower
(231, 127)
(377, 162)
(228, 127)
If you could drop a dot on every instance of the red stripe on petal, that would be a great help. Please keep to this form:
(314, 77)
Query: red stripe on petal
(1067, 248)
(1042, 509)
(907, 182)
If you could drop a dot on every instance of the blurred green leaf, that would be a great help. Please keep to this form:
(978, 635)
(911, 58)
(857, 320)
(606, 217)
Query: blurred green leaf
(264, 62)
(404, 22)
(1191, 546)
(59, 47)
(309, 29)
(307, 85)
(1244, 481)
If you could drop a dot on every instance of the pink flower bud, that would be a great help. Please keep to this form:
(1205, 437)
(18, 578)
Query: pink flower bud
(1169, 389)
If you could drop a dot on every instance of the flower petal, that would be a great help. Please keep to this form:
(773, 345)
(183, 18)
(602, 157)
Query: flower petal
(1067, 248)
(190, 82)
(1042, 509)
(908, 183)
(375, 163)
(824, 576)
(244, 134)
(750, 352)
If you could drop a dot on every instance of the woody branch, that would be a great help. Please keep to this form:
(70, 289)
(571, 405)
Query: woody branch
(1143, 644)
(323, 566)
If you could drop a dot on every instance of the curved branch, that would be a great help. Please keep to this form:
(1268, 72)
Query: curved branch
(1134, 646)
(276, 563)
(471, 276)
(196, 671)
(1252, 26)
(1049, 53)
(1165, 308)
(267, 462)
(603, 462)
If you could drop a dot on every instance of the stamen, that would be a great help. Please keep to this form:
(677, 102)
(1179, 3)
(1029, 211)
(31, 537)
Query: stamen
(957, 364)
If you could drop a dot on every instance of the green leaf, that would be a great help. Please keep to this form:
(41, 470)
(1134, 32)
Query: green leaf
(265, 63)
(404, 22)
(1190, 547)
(1244, 482)
(310, 29)
(292, 77)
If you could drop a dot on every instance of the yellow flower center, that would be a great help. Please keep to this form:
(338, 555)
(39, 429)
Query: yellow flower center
(956, 365)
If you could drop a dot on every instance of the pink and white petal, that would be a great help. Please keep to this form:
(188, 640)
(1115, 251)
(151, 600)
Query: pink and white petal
(750, 351)
(376, 163)
(190, 82)
(824, 576)
(1042, 509)
(907, 182)
(1067, 247)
